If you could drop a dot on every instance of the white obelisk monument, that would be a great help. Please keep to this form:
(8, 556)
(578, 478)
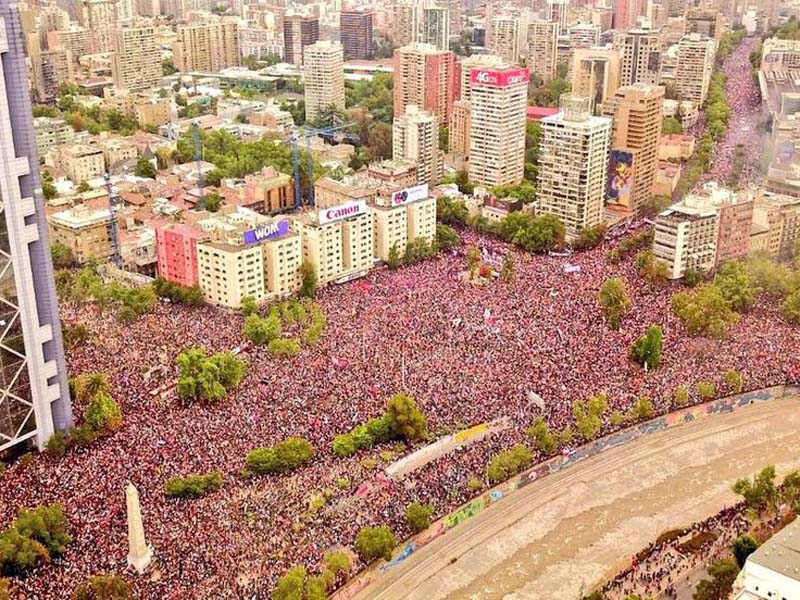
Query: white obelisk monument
(139, 553)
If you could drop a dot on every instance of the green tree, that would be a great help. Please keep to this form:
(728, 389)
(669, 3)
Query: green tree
(104, 587)
(734, 380)
(790, 308)
(545, 441)
(19, 553)
(704, 311)
(207, 378)
(723, 573)
(248, 306)
(589, 415)
(671, 126)
(282, 457)
(83, 187)
(375, 542)
(193, 486)
(646, 350)
(507, 270)
(262, 331)
(418, 516)
(89, 385)
(473, 261)
(103, 414)
(62, 256)
(736, 286)
(681, 395)
(338, 563)
(308, 279)
(464, 185)
(650, 268)
(641, 410)
(614, 301)
(508, 463)
(590, 237)
(394, 260)
(706, 389)
(759, 493)
(213, 201)
(144, 168)
(405, 419)
(446, 237)
(744, 546)
(168, 67)
(290, 585)
(46, 525)
(451, 212)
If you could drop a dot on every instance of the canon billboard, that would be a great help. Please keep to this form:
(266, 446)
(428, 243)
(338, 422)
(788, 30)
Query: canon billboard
(418, 192)
(499, 78)
(343, 211)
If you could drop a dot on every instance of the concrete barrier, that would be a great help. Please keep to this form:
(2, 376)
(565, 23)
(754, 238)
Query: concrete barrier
(477, 505)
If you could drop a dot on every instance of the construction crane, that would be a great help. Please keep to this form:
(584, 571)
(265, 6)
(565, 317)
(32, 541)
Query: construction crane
(309, 133)
(198, 156)
(113, 202)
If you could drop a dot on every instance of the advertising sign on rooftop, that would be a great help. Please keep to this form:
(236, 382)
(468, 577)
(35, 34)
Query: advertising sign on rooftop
(265, 232)
(412, 194)
(499, 78)
(343, 211)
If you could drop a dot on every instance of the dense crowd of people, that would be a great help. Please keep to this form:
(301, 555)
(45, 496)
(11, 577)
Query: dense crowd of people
(744, 99)
(657, 570)
(467, 353)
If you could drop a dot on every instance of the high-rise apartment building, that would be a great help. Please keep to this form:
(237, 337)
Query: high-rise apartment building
(207, 45)
(405, 23)
(136, 63)
(298, 32)
(541, 52)
(50, 69)
(584, 35)
(637, 116)
(686, 236)
(425, 77)
(694, 67)
(557, 12)
(75, 39)
(573, 163)
(436, 27)
(464, 71)
(323, 77)
(640, 56)
(595, 75)
(460, 126)
(627, 12)
(415, 138)
(708, 23)
(498, 101)
(355, 33)
(35, 397)
(100, 19)
(505, 41)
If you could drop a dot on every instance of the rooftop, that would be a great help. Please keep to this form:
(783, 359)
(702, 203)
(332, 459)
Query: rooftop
(781, 553)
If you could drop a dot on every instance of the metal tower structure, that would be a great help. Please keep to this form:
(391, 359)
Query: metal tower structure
(113, 202)
(198, 156)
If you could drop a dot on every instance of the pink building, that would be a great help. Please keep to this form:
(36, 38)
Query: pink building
(425, 77)
(176, 250)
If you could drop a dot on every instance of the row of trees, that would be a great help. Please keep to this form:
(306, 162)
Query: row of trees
(181, 294)
(93, 119)
(101, 417)
(283, 457)
(193, 486)
(268, 330)
(86, 285)
(403, 420)
(297, 584)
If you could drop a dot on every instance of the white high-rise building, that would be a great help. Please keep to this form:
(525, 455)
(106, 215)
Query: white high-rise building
(323, 68)
(506, 38)
(415, 137)
(573, 164)
(33, 376)
(694, 67)
(640, 56)
(436, 27)
(498, 98)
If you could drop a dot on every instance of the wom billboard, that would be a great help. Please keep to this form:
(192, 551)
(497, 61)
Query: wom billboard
(265, 232)
(620, 178)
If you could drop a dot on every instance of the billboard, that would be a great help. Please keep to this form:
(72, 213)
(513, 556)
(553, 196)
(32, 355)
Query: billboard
(412, 194)
(620, 178)
(265, 232)
(343, 211)
(499, 78)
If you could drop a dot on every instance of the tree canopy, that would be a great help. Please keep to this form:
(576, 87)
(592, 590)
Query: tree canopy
(208, 378)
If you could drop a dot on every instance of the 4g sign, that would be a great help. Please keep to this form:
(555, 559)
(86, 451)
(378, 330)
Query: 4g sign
(499, 78)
